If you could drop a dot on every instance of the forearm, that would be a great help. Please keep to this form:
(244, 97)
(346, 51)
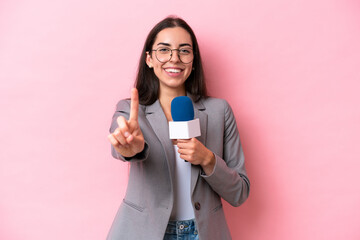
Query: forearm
(232, 185)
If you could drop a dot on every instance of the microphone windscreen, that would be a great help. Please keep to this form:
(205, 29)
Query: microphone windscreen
(182, 109)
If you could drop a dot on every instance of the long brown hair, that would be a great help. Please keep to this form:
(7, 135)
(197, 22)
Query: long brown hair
(146, 81)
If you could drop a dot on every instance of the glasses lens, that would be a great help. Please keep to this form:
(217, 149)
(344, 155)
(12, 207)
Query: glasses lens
(186, 55)
(164, 54)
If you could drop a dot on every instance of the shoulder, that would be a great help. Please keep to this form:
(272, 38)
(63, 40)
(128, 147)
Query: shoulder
(124, 106)
(215, 104)
(218, 109)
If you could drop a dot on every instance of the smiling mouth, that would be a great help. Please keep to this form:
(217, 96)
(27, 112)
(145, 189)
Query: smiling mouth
(172, 70)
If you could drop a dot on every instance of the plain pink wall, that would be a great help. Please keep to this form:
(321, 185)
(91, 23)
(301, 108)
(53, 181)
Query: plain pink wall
(290, 70)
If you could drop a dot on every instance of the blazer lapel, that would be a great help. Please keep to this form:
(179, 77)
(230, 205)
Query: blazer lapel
(203, 117)
(200, 113)
(156, 117)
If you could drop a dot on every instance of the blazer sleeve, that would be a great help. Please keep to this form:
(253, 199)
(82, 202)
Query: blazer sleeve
(123, 109)
(229, 178)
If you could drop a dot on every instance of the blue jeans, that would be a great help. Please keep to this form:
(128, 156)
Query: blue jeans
(181, 230)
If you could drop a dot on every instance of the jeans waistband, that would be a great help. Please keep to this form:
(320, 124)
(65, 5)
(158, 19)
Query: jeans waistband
(182, 227)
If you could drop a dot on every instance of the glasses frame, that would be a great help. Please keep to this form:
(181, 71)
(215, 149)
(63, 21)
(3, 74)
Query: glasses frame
(171, 54)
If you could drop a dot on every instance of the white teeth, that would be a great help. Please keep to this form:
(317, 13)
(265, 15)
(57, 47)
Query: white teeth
(172, 70)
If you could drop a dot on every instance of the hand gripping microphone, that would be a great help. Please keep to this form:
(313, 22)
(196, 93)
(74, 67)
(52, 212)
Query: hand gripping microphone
(183, 126)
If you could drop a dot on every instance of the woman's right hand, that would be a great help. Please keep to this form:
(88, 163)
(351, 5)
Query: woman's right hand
(128, 139)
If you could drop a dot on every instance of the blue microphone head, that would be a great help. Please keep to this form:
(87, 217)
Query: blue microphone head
(182, 109)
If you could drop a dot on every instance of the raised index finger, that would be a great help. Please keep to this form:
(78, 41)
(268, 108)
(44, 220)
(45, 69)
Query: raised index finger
(134, 106)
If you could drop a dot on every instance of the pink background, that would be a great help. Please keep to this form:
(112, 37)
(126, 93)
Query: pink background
(290, 70)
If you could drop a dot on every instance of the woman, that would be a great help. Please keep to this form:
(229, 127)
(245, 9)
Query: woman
(167, 196)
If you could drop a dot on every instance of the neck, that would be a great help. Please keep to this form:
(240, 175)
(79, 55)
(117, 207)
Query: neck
(165, 98)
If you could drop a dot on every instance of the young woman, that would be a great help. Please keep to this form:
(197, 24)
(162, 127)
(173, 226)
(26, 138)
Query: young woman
(168, 197)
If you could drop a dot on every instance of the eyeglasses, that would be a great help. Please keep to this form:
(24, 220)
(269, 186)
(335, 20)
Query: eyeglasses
(164, 54)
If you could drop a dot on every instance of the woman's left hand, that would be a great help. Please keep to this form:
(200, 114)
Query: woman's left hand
(193, 151)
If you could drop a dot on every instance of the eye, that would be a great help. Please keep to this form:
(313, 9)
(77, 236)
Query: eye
(185, 51)
(163, 50)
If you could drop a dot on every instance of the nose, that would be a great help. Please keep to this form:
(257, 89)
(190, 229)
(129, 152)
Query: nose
(174, 56)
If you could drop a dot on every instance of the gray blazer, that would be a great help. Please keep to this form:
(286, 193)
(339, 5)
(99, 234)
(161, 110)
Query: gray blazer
(145, 210)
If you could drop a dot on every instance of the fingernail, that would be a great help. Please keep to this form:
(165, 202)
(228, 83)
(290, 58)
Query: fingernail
(126, 134)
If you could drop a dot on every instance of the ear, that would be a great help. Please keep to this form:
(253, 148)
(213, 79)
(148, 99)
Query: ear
(149, 60)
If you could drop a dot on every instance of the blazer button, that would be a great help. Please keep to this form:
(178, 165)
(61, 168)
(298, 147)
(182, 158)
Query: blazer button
(197, 206)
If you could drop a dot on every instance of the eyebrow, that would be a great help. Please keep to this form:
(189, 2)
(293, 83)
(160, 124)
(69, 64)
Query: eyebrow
(168, 44)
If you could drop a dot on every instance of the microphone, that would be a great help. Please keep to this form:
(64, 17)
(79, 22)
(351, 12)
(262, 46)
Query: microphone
(183, 126)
